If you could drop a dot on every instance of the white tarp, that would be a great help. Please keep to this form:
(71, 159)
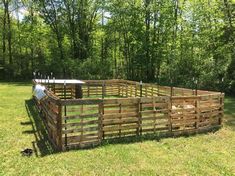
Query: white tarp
(39, 92)
(59, 81)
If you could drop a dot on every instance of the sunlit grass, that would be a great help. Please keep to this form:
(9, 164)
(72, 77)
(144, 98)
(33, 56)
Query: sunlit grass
(207, 154)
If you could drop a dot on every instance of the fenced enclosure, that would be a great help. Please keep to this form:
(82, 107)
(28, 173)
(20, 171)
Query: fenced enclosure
(109, 109)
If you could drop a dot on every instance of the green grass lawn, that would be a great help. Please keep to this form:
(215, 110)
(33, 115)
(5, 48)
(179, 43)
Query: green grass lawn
(206, 154)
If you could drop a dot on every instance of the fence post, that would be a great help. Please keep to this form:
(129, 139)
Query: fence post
(54, 85)
(101, 113)
(222, 85)
(48, 83)
(65, 113)
(120, 125)
(152, 91)
(34, 75)
(171, 88)
(136, 89)
(88, 89)
(141, 86)
(139, 130)
(126, 89)
(131, 86)
(100, 133)
(103, 91)
(221, 108)
(169, 113)
(59, 128)
(119, 90)
(158, 86)
(197, 112)
(146, 90)
(38, 77)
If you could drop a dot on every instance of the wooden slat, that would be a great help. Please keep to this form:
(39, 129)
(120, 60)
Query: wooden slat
(90, 122)
(80, 130)
(154, 124)
(154, 117)
(115, 128)
(155, 129)
(119, 121)
(154, 111)
(118, 115)
(80, 116)
(87, 137)
(117, 134)
(81, 102)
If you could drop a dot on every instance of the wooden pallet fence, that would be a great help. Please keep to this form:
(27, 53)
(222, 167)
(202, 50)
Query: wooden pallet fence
(78, 123)
(50, 109)
(81, 123)
(122, 88)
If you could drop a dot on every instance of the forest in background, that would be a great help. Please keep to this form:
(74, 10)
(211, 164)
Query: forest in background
(168, 42)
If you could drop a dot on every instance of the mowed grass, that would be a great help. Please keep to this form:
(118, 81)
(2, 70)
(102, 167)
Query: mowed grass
(21, 127)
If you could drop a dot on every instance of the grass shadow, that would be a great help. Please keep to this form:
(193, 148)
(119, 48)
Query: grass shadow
(158, 136)
(229, 111)
(26, 123)
(41, 145)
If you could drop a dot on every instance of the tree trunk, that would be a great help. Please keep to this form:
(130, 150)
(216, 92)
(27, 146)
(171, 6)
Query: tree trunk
(147, 41)
(4, 33)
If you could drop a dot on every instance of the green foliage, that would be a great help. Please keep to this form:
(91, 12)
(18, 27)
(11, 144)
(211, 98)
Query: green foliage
(139, 39)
